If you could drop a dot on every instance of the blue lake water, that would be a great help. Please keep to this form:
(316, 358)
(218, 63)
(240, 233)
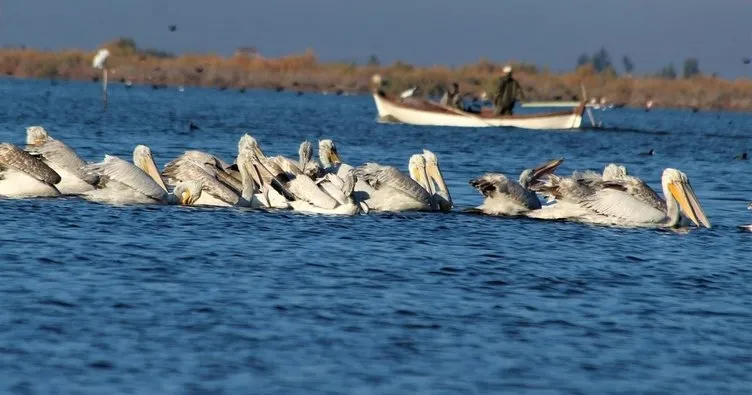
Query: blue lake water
(179, 300)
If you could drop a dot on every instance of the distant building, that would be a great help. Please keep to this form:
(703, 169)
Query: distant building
(251, 52)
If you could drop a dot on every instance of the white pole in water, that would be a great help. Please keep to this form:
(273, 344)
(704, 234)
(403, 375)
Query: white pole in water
(587, 109)
(100, 62)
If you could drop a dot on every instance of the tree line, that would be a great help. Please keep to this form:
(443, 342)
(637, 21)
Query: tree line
(602, 63)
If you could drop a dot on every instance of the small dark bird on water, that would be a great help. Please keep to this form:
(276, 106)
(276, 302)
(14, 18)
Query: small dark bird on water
(279, 89)
(173, 27)
(193, 126)
(651, 152)
(746, 60)
(299, 93)
(241, 90)
(743, 156)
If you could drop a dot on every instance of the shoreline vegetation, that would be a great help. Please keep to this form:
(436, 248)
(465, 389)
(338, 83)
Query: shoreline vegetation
(246, 69)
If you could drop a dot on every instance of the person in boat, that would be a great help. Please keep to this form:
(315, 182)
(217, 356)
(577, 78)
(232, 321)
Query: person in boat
(452, 97)
(507, 93)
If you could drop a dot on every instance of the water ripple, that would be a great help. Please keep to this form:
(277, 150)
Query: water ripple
(100, 299)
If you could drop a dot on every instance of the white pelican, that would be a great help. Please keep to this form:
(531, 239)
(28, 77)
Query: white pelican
(186, 193)
(507, 197)
(309, 166)
(219, 186)
(23, 175)
(386, 188)
(620, 202)
(61, 158)
(437, 186)
(330, 159)
(409, 193)
(332, 194)
(124, 183)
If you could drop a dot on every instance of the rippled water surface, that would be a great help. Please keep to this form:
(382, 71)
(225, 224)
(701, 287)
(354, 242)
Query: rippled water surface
(176, 300)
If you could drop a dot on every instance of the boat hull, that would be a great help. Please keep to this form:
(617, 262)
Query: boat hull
(433, 114)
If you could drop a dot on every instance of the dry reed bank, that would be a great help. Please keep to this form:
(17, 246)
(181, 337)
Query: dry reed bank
(303, 72)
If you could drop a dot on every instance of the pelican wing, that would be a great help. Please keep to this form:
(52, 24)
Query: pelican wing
(129, 175)
(498, 186)
(619, 203)
(184, 169)
(303, 188)
(640, 191)
(16, 158)
(287, 165)
(57, 152)
(378, 176)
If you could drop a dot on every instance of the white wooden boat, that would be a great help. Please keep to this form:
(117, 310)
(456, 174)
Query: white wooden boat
(415, 111)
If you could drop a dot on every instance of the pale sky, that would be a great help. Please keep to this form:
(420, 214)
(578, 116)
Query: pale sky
(545, 32)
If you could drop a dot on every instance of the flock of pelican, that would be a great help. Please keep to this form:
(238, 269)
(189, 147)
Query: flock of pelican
(47, 167)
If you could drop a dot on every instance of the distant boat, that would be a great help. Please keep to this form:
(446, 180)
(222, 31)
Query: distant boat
(428, 113)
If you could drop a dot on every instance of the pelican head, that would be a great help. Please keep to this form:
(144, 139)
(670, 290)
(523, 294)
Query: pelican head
(328, 154)
(247, 142)
(530, 176)
(144, 160)
(613, 171)
(417, 168)
(187, 192)
(677, 189)
(305, 152)
(434, 174)
(36, 135)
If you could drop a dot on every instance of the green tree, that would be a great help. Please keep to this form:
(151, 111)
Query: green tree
(691, 67)
(628, 64)
(373, 60)
(602, 60)
(583, 59)
(124, 45)
(667, 72)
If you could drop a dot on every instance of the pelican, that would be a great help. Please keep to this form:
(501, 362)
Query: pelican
(220, 187)
(186, 193)
(331, 194)
(424, 189)
(339, 189)
(624, 202)
(330, 159)
(506, 197)
(23, 175)
(436, 183)
(309, 166)
(386, 188)
(62, 159)
(122, 182)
